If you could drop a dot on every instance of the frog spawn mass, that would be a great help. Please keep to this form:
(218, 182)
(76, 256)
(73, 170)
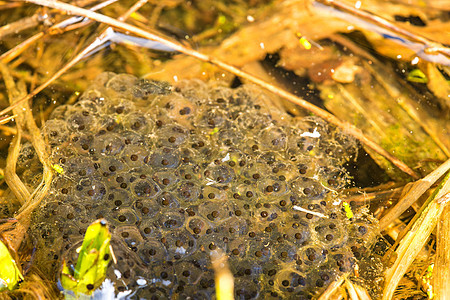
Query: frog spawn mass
(179, 172)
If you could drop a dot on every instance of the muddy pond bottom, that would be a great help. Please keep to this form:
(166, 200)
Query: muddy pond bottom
(181, 171)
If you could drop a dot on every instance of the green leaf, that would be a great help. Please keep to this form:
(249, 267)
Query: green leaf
(9, 272)
(417, 75)
(92, 263)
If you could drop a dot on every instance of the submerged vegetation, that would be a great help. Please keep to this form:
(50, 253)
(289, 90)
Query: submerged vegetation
(376, 72)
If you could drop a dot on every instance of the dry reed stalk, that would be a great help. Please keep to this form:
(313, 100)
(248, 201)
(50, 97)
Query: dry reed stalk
(335, 288)
(24, 116)
(441, 272)
(222, 276)
(15, 184)
(416, 237)
(416, 190)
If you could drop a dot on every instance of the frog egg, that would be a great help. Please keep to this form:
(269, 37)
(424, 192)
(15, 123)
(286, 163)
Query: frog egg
(197, 225)
(259, 251)
(297, 232)
(329, 233)
(178, 108)
(220, 96)
(118, 198)
(134, 155)
(237, 248)
(188, 191)
(78, 167)
(146, 208)
(137, 122)
(308, 145)
(122, 216)
(123, 180)
(282, 171)
(131, 236)
(165, 180)
(188, 272)
(229, 137)
(172, 136)
(121, 84)
(219, 174)
(56, 132)
(80, 121)
(191, 89)
(119, 107)
(312, 255)
(167, 200)
(179, 244)
(163, 158)
(110, 166)
(245, 192)
(360, 230)
(273, 138)
(212, 240)
(254, 121)
(148, 228)
(266, 212)
(154, 291)
(27, 156)
(341, 260)
(152, 252)
(109, 124)
(308, 188)
(144, 88)
(145, 188)
(204, 292)
(170, 219)
(320, 279)
(214, 194)
(245, 268)
(133, 138)
(190, 172)
(285, 251)
(234, 227)
(199, 148)
(212, 118)
(62, 187)
(90, 190)
(290, 280)
(245, 289)
(128, 267)
(110, 144)
(256, 170)
(82, 143)
(273, 188)
(59, 113)
(214, 212)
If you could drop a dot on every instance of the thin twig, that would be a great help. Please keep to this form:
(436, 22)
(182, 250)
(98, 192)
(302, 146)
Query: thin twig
(22, 24)
(346, 127)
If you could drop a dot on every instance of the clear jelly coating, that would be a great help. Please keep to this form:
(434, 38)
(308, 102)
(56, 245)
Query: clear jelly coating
(180, 171)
